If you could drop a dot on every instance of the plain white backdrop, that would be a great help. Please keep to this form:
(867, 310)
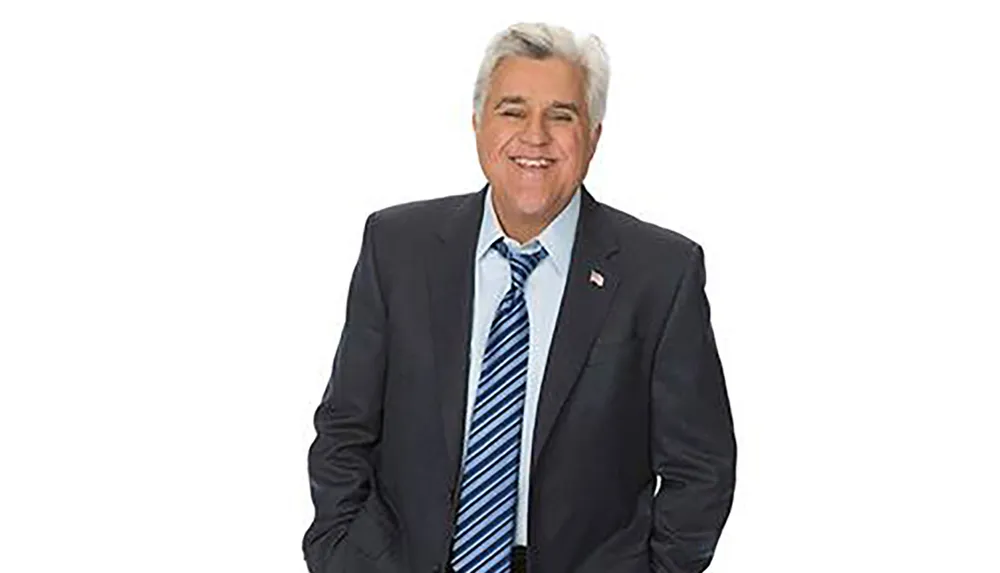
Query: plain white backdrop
(184, 186)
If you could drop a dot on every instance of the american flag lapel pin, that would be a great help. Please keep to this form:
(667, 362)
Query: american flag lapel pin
(596, 279)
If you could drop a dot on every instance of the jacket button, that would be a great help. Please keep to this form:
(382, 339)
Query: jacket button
(436, 569)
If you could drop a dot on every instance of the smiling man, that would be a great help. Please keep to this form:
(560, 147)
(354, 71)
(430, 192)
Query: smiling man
(534, 141)
(527, 378)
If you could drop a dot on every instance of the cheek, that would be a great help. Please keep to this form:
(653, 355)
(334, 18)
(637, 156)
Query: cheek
(574, 146)
(493, 144)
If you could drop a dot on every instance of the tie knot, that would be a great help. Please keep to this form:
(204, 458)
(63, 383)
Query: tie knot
(521, 264)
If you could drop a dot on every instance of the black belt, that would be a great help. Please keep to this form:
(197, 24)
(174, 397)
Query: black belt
(519, 559)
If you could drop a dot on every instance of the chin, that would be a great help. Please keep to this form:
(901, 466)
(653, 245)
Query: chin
(530, 201)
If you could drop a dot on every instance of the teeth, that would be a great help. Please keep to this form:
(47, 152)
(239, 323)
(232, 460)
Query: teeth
(525, 162)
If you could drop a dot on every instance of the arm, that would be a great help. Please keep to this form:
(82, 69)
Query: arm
(693, 446)
(349, 418)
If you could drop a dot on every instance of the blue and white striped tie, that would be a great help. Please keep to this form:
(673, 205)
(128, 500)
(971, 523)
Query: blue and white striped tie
(487, 506)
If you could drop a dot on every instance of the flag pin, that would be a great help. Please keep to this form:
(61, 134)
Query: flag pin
(597, 279)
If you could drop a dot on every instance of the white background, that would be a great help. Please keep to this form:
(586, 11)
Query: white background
(184, 186)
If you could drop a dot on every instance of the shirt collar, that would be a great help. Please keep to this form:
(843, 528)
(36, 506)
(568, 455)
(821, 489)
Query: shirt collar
(557, 237)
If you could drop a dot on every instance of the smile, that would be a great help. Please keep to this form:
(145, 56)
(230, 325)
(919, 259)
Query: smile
(533, 162)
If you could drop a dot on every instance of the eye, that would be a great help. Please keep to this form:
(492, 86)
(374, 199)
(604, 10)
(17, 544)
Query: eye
(562, 117)
(511, 113)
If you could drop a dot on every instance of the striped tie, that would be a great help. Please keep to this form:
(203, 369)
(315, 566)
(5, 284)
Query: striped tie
(487, 505)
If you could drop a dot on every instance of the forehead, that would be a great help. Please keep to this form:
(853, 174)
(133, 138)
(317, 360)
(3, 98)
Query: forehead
(537, 80)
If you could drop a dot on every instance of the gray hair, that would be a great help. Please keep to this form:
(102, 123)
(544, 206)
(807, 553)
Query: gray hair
(540, 41)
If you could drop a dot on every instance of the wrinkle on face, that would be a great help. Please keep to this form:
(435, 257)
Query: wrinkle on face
(534, 140)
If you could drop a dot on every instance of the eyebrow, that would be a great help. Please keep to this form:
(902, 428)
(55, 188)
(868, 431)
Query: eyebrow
(566, 105)
(509, 100)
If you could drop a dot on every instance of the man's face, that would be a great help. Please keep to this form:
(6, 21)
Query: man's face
(534, 140)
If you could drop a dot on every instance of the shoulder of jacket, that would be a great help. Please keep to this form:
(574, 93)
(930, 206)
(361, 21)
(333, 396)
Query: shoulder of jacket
(412, 218)
(633, 231)
(413, 221)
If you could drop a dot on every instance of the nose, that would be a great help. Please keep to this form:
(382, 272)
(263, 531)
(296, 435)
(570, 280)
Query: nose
(535, 132)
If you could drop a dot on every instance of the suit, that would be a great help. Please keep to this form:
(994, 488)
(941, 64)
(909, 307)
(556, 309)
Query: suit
(633, 388)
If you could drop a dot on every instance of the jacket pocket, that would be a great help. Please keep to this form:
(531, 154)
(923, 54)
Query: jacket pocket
(371, 532)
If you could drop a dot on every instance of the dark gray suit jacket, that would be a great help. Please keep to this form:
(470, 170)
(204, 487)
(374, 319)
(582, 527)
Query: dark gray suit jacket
(633, 388)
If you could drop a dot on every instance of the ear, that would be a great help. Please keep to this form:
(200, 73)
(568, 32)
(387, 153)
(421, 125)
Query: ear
(594, 138)
(474, 126)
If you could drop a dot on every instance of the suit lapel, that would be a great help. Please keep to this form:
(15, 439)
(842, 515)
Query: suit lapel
(451, 281)
(581, 314)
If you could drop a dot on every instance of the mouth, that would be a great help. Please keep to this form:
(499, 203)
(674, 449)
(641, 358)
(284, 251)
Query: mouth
(532, 163)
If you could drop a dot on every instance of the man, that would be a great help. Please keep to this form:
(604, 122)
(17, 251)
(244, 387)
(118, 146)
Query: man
(519, 365)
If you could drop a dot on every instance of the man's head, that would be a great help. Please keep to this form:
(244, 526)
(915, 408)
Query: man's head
(539, 101)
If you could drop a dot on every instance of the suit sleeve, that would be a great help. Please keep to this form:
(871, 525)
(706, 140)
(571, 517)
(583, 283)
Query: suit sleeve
(693, 445)
(349, 418)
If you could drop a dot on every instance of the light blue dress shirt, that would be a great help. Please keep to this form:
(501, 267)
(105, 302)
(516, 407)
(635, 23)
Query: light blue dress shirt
(543, 293)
